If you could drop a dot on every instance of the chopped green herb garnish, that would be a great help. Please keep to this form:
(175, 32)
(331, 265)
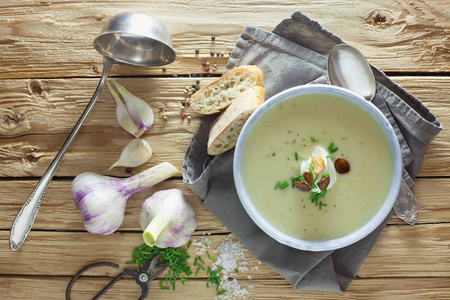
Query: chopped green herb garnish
(201, 267)
(332, 149)
(221, 292)
(313, 139)
(330, 156)
(188, 245)
(295, 178)
(284, 185)
(315, 196)
(331, 146)
(195, 262)
(277, 186)
(176, 258)
(120, 233)
(210, 256)
(161, 287)
(296, 156)
(184, 279)
(236, 270)
(201, 260)
(325, 175)
(198, 270)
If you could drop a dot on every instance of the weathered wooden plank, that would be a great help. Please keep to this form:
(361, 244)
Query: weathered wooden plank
(401, 251)
(437, 101)
(53, 106)
(58, 211)
(37, 115)
(87, 287)
(47, 39)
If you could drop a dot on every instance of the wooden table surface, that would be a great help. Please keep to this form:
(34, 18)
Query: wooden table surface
(49, 71)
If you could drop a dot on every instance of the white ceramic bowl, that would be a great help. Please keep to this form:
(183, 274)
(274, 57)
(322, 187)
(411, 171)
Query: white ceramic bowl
(355, 236)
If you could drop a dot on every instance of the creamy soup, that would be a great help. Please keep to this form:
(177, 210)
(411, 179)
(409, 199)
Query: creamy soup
(285, 136)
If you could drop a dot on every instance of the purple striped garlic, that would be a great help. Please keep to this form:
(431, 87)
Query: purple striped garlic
(102, 199)
(167, 218)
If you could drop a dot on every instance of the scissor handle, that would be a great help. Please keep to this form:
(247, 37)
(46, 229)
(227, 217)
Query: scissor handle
(100, 264)
(117, 278)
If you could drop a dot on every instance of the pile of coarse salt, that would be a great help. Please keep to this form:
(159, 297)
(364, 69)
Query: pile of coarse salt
(231, 257)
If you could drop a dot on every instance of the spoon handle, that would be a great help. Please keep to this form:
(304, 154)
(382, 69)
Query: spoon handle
(406, 207)
(27, 214)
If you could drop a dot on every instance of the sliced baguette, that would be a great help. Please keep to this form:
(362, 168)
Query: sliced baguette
(216, 96)
(225, 130)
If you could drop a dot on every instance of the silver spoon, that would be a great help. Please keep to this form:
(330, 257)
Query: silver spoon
(131, 38)
(348, 68)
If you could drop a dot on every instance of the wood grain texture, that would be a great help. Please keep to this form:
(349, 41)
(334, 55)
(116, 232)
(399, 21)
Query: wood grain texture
(54, 39)
(36, 116)
(401, 251)
(58, 211)
(264, 289)
(49, 71)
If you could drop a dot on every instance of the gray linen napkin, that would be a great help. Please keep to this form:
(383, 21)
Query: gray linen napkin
(295, 53)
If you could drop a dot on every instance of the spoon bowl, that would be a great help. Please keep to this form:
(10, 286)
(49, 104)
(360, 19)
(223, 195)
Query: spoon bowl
(348, 68)
(131, 38)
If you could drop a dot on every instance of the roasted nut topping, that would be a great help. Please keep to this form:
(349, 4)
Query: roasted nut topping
(342, 166)
(324, 182)
(317, 163)
(302, 186)
(308, 178)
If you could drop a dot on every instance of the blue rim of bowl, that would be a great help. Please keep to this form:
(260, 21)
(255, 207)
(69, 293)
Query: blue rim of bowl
(363, 231)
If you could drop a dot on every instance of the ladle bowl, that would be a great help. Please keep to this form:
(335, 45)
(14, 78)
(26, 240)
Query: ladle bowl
(136, 39)
(132, 38)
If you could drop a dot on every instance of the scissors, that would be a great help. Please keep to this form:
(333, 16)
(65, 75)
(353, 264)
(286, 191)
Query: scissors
(147, 273)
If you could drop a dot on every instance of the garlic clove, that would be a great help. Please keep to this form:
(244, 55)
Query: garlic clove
(123, 116)
(138, 109)
(136, 153)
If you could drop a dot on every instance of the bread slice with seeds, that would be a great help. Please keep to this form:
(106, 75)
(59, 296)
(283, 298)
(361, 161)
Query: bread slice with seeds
(225, 130)
(216, 96)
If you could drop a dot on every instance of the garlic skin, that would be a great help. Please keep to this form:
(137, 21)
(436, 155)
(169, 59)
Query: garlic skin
(138, 109)
(136, 153)
(167, 218)
(102, 199)
(135, 116)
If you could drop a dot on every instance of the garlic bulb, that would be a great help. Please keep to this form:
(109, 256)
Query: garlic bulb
(135, 116)
(167, 218)
(136, 153)
(102, 199)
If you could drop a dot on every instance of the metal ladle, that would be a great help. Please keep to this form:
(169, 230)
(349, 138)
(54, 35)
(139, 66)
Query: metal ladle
(348, 68)
(132, 38)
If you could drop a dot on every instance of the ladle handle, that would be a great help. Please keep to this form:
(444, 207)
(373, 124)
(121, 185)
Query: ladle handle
(27, 214)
